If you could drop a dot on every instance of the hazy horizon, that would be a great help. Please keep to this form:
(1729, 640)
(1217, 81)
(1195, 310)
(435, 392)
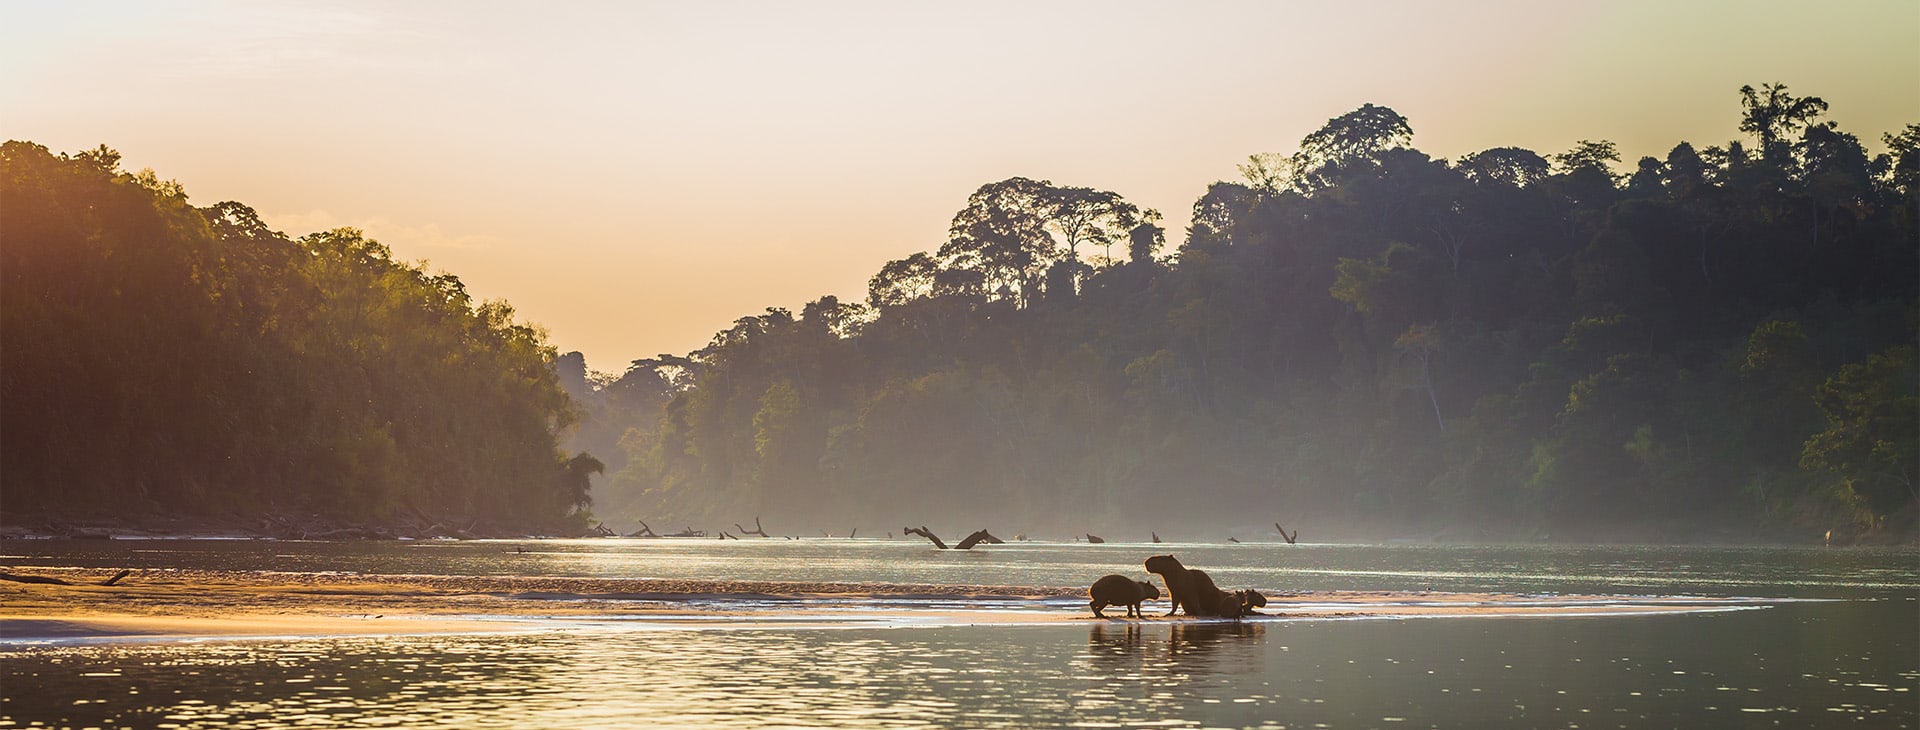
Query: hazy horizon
(634, 178)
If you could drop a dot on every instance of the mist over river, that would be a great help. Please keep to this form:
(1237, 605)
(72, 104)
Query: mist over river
(1816, 638)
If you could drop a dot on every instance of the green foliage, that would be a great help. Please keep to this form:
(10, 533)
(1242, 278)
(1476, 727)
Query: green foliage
(1359, 337)
(1347, 141)
(155, 356)
(1873, 431)
(1510, 166)
(1770, 114)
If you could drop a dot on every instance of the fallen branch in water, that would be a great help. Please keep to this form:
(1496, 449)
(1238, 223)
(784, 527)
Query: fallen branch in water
(979, 536)
(923, 532)
(1284, 535)
(45, 580)
(757, 529)
(33, 579)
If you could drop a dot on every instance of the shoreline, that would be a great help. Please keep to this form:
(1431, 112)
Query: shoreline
(169, 604)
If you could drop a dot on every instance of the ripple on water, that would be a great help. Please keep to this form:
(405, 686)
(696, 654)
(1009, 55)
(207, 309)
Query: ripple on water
(1841, 663)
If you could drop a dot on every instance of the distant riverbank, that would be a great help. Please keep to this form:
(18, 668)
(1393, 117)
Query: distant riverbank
(262, 525)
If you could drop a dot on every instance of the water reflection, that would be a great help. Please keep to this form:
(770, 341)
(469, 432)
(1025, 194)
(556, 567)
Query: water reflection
(1841, 664)
(1847, 663)
(1177, 649)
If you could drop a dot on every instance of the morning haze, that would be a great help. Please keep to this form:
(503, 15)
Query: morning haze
(749, 364)
(1569, 272)
(634, 177)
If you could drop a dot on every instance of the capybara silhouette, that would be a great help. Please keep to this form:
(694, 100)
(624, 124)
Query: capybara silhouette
(1119, 590)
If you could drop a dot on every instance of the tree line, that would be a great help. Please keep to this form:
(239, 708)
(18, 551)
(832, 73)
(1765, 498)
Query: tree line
(158, 358)
(1716, 344)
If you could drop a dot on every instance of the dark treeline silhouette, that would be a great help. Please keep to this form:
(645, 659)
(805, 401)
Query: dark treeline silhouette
(162, 359)
(1717, 344)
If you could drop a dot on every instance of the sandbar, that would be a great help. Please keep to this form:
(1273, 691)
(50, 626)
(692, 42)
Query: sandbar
(163, 604)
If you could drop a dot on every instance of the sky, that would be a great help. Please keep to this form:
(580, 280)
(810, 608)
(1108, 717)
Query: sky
(634, 176)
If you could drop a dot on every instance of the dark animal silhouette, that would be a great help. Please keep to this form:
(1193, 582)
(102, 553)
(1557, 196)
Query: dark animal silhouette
(1194, 590)
(1119, 590)
(1249, 600)
(1209, 600)
(1196, 593)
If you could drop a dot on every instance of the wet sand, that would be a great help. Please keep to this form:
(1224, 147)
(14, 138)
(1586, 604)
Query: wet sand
(175, 604)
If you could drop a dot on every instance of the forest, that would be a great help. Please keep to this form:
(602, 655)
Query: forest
(160, 361)
(1358, 339)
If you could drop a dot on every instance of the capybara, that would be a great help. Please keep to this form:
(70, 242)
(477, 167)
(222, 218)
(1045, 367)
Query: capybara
(1194, 590)
(1208, 599)
(1188, 588)
(1179, 586)
(1251, 599)
(1119, 590)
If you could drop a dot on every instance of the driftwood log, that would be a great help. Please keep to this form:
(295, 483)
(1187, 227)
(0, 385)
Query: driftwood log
(757, 529)
(978, 536)
(644, 531)
(923, 532)
(33, 579)
(1285, 536)
(45, 580)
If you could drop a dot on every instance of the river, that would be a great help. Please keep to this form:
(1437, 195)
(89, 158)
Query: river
(1824, 638)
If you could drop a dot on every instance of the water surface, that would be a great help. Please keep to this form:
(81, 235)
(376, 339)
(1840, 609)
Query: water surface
(1843, 653)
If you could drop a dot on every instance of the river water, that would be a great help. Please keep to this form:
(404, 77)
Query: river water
(1830, 639)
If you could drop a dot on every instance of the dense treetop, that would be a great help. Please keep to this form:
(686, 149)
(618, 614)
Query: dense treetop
(1357, 337)
(157, 358)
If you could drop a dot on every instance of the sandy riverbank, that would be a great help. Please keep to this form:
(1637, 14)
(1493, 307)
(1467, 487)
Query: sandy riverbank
(164, 604)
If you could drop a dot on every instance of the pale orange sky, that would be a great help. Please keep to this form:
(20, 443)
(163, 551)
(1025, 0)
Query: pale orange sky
(634, 176)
